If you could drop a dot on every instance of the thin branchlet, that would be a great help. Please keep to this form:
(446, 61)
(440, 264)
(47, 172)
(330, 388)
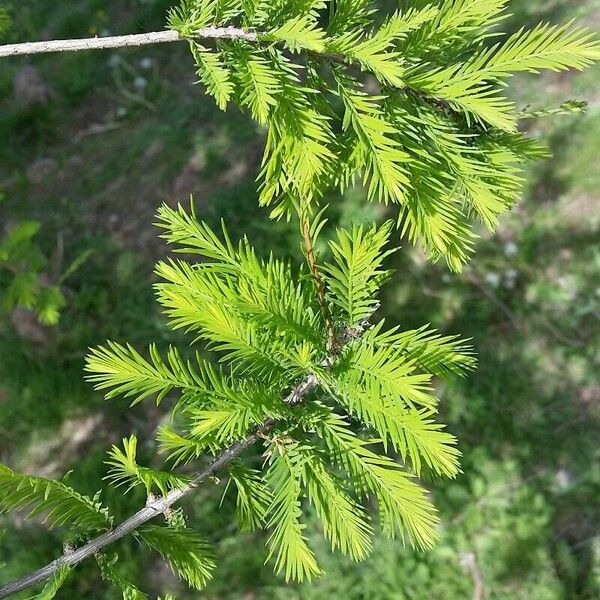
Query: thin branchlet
(311, 259)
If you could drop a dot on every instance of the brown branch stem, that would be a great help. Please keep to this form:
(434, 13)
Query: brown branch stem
(319, 284)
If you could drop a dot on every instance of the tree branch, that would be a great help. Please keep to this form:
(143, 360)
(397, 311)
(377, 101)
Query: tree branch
(123, 41)
(169, 36)
(152, 509)
(157, 506)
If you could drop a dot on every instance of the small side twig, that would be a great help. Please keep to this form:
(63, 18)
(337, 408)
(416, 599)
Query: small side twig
(319, 284)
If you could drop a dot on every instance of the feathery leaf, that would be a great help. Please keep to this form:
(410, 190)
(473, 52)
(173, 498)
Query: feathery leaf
(59, 503)
(186, 552)
(287, 543)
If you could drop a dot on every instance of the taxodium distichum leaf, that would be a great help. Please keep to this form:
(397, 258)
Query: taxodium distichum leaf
(292, 359)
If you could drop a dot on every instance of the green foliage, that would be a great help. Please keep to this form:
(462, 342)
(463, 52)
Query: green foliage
(253, 496)
(262, 319)
(251, 310)
(192, 15)
(299, 33)
(110, 574)
(355, 274)
(186, 552)
(345, 523)
(21, 273)
(434, 353)
(287, 544)
(59, 503)
(213, 75)
(375, 150)
(54, 584)
(140, 378)
(125, 471)
(468, 87)
(404, 508)
(439, 80)
(566, 108)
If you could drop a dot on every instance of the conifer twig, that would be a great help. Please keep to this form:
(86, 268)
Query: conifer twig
(155, 506)
(152, 509)
(162, 37)
(160, 505)
(123, 41)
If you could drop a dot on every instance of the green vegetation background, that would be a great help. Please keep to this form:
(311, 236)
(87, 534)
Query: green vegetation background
(114, 134)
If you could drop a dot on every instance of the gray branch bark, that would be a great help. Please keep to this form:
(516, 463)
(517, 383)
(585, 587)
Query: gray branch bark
(154, 508)
(123, 41)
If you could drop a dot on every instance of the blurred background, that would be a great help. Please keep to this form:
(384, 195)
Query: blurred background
(92, 143)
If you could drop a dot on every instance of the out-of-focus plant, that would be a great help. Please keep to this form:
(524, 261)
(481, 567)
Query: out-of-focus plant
(23, 282)
(5, 19)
